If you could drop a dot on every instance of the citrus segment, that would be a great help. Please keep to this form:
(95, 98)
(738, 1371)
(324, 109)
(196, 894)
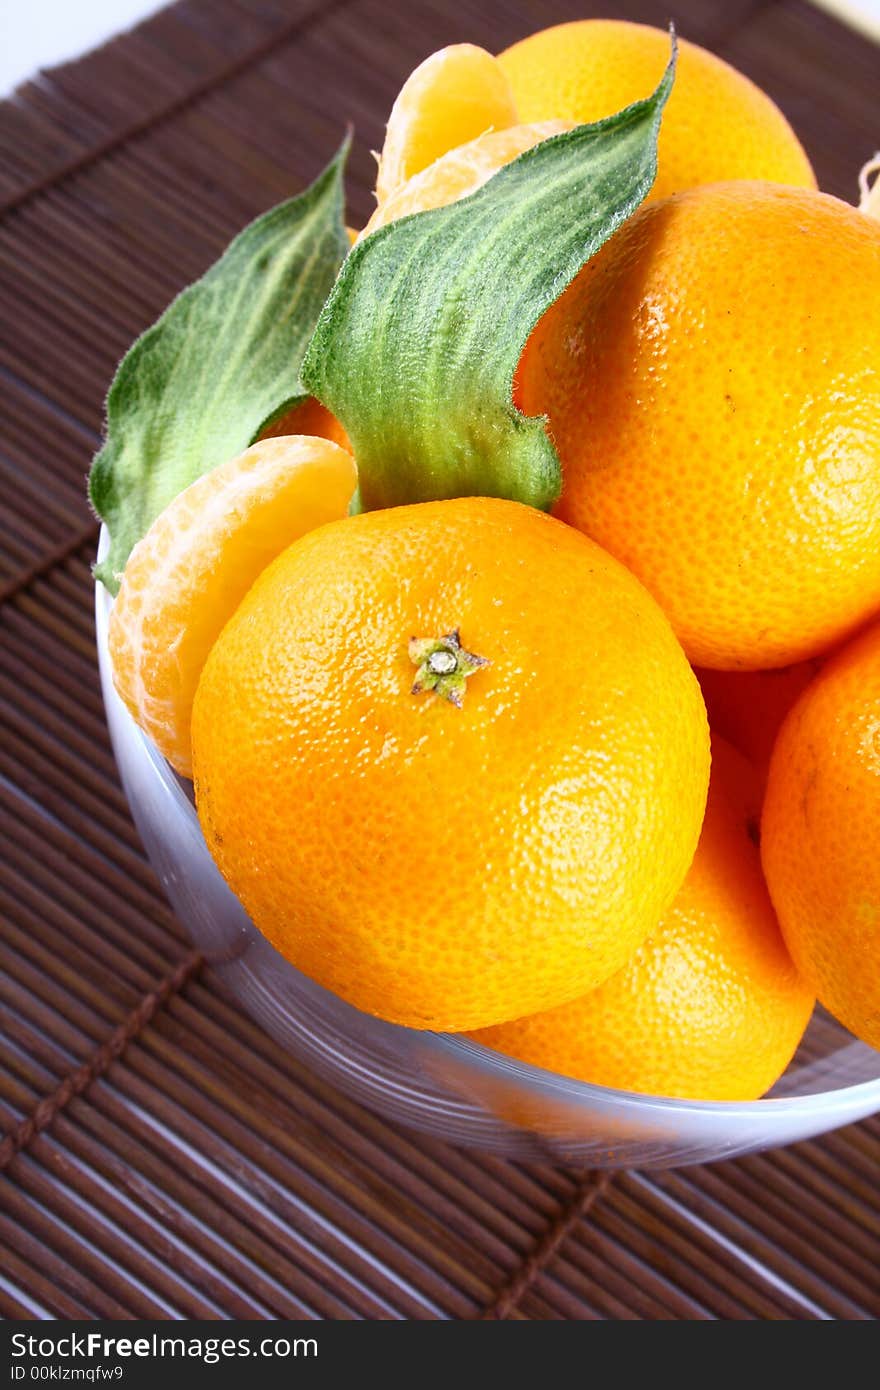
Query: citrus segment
(461, 171)
(455, 95)
(196, 563)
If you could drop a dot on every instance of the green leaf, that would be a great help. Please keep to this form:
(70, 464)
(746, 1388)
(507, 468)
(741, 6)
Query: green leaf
(416, 349)
(220, 364)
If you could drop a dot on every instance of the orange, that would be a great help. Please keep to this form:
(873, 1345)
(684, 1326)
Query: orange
(450, 865)
(712, 382)
(748, 707)
(455, 95)
(820, 832)
(711, 1006)
(312, 418)
(461, 171)
(197, 562)
(717, 125)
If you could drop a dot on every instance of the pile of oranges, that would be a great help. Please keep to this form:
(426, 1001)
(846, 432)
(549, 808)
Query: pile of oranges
(454, 757)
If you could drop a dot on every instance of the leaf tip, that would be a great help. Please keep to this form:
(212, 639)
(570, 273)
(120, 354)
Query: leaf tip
(666, 81)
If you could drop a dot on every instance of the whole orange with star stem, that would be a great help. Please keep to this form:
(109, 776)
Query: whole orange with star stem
(451, 759)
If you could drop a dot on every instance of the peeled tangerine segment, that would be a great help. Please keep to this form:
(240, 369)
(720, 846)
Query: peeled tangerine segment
(461, 171)
(188, 575)
(458, 93)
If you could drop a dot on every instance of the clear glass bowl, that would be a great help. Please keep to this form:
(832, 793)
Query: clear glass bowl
(446, 1085)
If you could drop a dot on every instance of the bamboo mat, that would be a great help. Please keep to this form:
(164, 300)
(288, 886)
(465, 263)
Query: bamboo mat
(161, 1157)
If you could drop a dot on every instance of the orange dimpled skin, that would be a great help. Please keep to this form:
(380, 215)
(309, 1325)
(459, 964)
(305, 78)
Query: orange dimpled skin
(309, 418)
(747, 707)
(451, 865)
(711, 1007)
(712, 382)
(820, 834)
(717, 124)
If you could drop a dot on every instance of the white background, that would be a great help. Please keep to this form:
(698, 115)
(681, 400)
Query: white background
(39, 33)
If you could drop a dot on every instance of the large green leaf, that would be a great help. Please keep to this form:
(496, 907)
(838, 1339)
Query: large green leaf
(223, 360)
(416, 349)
